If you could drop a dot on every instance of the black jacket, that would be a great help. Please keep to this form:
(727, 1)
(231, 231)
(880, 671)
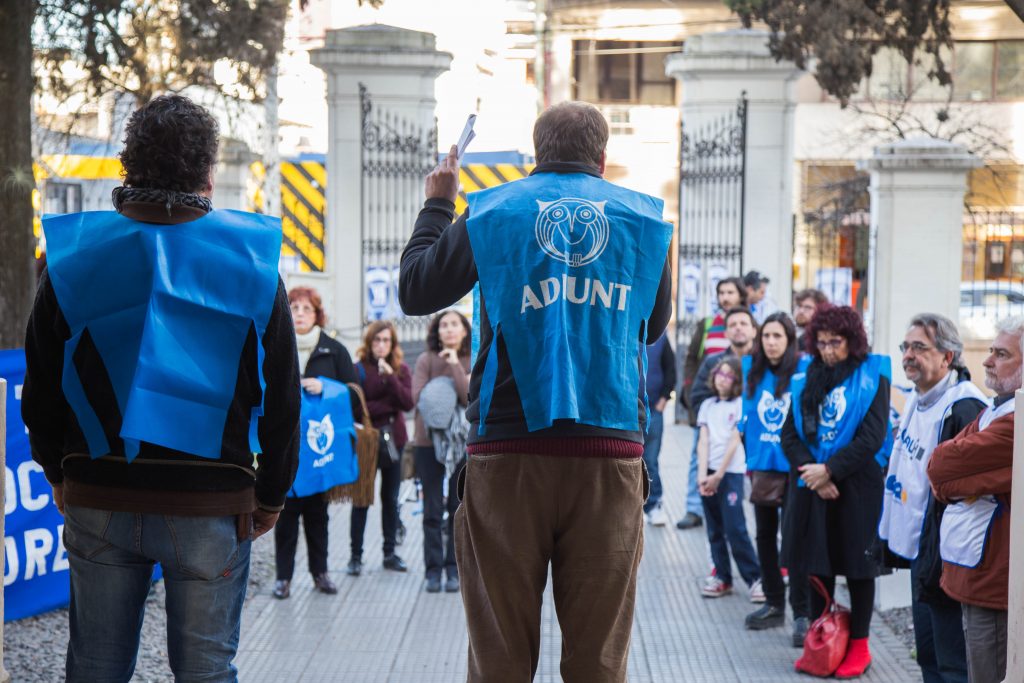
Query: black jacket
(330, 359)
(438, 269)
(838, 537)
(162, 480)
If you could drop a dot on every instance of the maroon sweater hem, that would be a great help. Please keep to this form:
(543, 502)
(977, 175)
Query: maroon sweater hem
(578, 447)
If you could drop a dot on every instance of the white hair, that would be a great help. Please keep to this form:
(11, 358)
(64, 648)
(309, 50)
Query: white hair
(1013, 325)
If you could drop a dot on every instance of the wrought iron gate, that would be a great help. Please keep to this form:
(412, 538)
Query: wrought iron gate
(712, 168)
(396, 155)
(831, 240)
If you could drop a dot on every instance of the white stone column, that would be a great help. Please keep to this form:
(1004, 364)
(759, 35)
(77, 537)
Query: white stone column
(714, 70)
(917, 195)
(231, 178)
(1015, 618)
(398, 68)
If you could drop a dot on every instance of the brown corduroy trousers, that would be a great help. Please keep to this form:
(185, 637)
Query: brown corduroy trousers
(583, 517)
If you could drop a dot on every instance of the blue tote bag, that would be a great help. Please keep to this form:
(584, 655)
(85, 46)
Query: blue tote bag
(327, 452)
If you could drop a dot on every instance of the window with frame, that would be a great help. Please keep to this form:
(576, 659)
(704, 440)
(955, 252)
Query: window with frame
(982, 71)
(623, 72)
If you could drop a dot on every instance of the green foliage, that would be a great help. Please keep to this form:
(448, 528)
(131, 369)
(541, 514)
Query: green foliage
(842, 36)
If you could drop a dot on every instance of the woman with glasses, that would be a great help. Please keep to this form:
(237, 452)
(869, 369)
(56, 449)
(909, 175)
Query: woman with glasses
(837, 440)
(767, 374)
(319, 356)
(387, 384)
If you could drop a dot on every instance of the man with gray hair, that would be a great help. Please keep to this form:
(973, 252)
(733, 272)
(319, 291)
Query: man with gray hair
(943, 402)
(971, 474)
(574, 280)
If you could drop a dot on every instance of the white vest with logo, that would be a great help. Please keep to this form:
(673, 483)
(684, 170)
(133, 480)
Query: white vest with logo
(965, 524)
(906, 484)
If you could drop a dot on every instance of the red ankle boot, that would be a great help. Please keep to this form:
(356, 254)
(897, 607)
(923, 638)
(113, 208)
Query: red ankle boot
(856, 661)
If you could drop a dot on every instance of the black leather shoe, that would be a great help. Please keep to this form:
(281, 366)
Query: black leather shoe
(433, 584)
(452, 585)
(690, 521)
(766, 617)
(355, 566)
(800, 626)
(282, 589)
(394, 563)
(323, 584)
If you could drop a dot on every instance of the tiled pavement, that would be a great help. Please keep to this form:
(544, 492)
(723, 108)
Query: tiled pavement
(383, 627)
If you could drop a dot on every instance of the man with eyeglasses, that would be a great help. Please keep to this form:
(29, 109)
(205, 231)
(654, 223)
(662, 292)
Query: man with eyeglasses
(943, 402)
(806, 303)
(972, 474)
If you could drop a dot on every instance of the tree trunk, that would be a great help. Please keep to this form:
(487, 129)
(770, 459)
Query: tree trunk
(17, 243)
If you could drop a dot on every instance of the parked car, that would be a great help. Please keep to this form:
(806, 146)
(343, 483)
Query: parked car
(983, 302)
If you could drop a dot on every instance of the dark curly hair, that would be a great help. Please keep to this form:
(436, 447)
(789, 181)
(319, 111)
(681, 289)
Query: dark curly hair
(434, 334)
(842, 321)
(170, 144)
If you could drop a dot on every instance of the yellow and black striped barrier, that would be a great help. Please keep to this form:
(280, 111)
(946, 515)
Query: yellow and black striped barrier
(303, 194)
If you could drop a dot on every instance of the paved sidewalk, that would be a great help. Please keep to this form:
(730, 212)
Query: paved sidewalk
(383, 627)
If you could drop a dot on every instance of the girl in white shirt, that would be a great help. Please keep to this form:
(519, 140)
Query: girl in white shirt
(721, 465)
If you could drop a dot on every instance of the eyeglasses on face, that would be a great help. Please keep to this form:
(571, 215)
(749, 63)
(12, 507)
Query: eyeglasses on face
(833, 344)
(728, 374)
(302, 308)
(916, 347)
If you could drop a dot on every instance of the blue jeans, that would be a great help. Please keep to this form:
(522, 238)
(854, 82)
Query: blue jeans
(693, 497)
(111, 556)
(727, 529)
(652, 447)
(939, 636)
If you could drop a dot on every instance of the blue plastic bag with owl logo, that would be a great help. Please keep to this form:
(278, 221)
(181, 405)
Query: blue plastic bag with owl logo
(842, 411)
(763, 417)
(327, 450)
(569, 267)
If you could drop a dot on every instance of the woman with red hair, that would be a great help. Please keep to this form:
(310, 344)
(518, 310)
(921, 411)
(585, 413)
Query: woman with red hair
(319, 356)
(836, 439)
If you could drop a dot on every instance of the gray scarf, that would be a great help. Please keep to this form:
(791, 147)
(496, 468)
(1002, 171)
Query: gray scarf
(169, 198)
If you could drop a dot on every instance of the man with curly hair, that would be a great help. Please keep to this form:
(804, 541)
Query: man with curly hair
(159, 337)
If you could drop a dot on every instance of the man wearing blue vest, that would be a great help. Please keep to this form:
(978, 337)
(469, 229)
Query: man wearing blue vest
(161, 357)
(574, 280)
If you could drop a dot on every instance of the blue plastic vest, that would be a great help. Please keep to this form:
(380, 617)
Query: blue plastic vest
(763, 417)
(844, 409)
(569, 267)
(327, 454)
(168, 308)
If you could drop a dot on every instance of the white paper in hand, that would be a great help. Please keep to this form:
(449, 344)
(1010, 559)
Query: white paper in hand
(466, 137)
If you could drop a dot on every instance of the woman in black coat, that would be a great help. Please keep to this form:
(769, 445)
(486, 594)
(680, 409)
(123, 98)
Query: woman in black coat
(834, 438)
(319, 356)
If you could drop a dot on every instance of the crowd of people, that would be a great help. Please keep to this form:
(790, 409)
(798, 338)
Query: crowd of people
(802, 406)
(167, 410)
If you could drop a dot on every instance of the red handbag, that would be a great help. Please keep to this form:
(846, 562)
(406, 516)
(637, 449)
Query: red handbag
(827, 639)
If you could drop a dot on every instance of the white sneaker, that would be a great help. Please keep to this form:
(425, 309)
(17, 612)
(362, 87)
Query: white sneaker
(757, 592)
(658, 516)
(714, 587)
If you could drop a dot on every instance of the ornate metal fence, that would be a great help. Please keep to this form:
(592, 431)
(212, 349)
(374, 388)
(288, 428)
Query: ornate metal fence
(396, 155)
(831, 240)
(992, 280)
(712, 168)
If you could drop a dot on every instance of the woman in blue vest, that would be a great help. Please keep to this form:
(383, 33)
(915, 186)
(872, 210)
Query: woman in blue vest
(319, 356)
(836, 438)
(766, 403)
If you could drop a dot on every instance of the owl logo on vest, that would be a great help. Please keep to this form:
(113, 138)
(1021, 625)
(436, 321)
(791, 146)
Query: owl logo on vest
(320, 435)
(832, 410)
(772, 411)
(574, 231)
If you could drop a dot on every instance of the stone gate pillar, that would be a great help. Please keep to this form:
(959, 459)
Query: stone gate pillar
(714, 70)
(917, 208)
(398, 67)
